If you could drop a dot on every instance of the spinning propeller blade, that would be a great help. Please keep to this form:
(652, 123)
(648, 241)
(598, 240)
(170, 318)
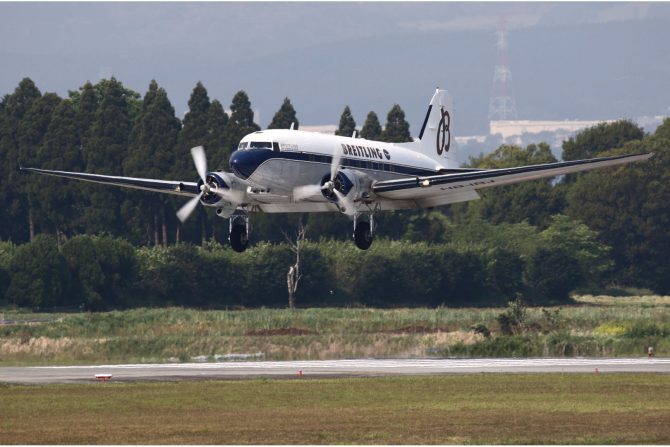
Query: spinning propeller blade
(200, 161)
(305, 191)
(186, 210)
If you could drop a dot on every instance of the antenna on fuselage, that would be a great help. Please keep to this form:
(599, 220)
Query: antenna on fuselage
(353, 135)
(292, 125)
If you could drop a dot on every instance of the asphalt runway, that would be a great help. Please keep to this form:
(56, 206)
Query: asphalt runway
(328, 368)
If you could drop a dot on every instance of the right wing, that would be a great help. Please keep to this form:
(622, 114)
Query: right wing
(187, 189)
(449, 188)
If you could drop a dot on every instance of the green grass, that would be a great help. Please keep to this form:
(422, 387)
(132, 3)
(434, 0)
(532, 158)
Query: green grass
(479, 409)
(593, 326)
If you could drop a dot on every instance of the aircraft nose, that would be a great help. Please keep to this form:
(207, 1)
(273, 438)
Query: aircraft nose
(242, 164)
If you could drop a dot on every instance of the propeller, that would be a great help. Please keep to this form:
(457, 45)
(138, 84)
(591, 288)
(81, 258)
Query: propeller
(200, 162)
(305, 191)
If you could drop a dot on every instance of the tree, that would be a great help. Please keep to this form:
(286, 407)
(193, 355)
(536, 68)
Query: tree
(284, 117)
(347, 124)
(40, 277)
(629, 207)
(194, 132)
(663, 131)
(105, 270)
(551, 273)
(293, 276)
(217, 144)
(533, 201)
(107, 147)
(397, 128)
(151, 154)
(372, 130)
(59, 204)
(591, 255)
(13, 204)
(241, 120)
(589, 143)
(32, 128)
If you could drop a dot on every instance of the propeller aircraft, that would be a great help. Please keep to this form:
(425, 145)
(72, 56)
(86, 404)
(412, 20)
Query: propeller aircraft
(292, 171)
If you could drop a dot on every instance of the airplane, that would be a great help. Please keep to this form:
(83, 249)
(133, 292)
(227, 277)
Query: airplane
(293, 171)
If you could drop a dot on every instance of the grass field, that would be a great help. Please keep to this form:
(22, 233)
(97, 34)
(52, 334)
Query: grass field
(481, 409)
(593, 326)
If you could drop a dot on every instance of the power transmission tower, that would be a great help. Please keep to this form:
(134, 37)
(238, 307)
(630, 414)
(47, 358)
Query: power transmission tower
(501, 104)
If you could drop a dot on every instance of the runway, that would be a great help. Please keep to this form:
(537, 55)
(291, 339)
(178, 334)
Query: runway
(328, 368)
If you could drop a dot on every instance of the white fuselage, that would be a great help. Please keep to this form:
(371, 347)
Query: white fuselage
(275, 162)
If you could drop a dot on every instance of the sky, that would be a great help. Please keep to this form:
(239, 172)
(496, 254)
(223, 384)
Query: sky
(568, 60)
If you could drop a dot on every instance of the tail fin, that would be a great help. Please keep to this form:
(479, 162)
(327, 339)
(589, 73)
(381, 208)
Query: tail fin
(435, 139)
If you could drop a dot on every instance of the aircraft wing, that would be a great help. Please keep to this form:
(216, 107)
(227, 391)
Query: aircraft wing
(188, 189)
(449, 188)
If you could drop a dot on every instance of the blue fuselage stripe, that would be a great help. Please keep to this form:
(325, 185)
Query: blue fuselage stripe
(245, 162)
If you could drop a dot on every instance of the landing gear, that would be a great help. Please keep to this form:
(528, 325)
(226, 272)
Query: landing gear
(239, 232)
(363, 228)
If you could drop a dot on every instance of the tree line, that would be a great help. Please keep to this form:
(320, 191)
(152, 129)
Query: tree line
(109, 129)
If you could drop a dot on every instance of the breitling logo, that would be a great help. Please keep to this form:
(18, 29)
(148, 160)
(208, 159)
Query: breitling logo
(365, 151)
(444, 133)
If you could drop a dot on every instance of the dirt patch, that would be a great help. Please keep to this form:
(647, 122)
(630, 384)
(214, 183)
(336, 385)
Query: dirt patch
(281, 331)
(414, 329)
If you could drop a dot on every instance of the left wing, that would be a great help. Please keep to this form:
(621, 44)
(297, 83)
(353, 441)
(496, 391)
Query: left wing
(438, 189)
(188, 189)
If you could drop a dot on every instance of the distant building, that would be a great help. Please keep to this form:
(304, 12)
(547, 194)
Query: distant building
(515, 128)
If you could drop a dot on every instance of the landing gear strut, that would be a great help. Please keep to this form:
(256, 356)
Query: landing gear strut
(239, 232)
(363, 231)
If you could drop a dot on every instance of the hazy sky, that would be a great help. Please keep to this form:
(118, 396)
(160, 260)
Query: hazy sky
(568, 60)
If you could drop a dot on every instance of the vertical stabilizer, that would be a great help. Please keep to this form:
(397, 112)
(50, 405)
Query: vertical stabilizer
(435, 137)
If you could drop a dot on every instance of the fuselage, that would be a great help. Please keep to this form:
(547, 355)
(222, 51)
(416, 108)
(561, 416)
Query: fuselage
(280, 160)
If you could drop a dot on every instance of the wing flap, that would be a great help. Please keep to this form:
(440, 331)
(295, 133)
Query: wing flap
(188, 189)
(445, 184)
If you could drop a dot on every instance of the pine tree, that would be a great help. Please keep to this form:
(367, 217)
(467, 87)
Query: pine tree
(32, 128)
(241, 120)
(104, 153)
(86, 102)
(14, 207)
(284, 117)
(151, 154)
(217, 145)
(397, 129)
(372, 130)
(347, 124)
(60, 202)
(193, 132)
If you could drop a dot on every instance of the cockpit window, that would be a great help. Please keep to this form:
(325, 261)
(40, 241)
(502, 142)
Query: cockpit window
(242, 145)
(260, 145)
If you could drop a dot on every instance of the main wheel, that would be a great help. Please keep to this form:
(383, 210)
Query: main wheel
(239, 238)
(363, 235)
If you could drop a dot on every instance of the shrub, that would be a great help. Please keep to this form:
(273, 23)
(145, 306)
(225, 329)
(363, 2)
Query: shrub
(105, 271)
(39, 276)
(551, 274)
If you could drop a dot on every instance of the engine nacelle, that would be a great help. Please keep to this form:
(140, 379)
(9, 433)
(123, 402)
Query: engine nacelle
(217, 181)
(353, 184)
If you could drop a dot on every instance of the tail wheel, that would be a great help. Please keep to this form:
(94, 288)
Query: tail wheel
(363, 235)
(239, 238)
